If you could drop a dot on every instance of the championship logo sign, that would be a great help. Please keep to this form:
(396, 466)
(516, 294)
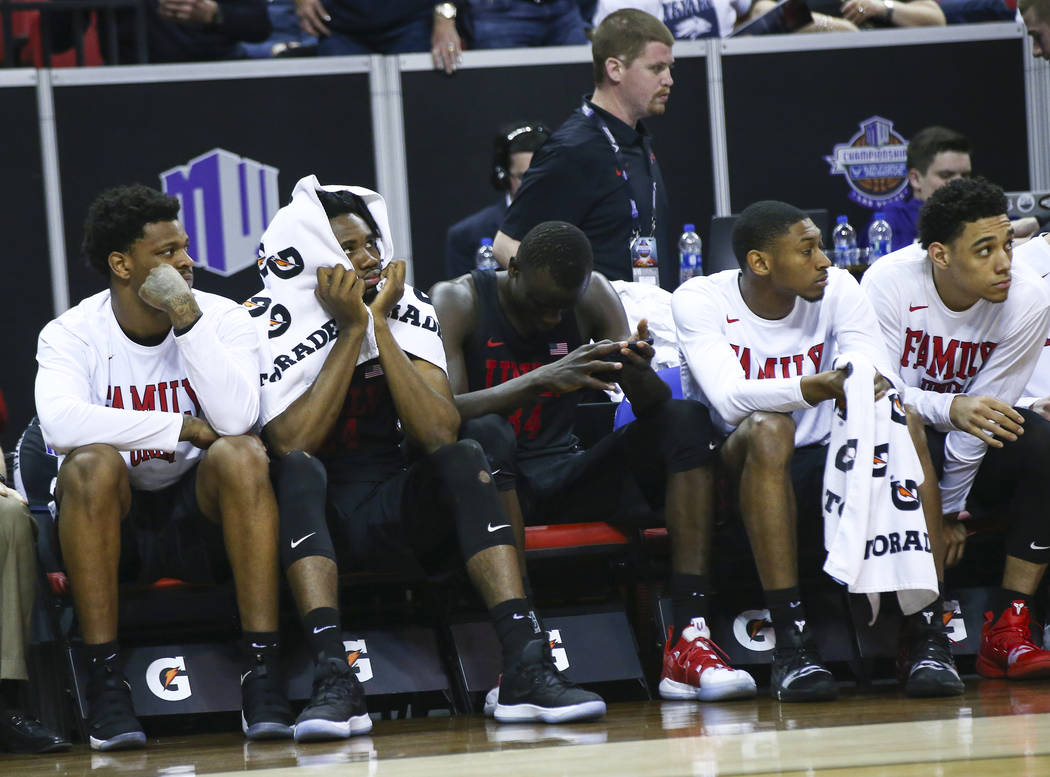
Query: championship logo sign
(874, 163)
(227, 201)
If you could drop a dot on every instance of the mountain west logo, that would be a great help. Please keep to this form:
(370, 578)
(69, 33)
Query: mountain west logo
(754, 630)
(874, 162)
(355, 649)
(167, 679)
(227, 201)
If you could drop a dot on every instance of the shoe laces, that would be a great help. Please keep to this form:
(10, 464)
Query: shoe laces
(703, 651)
(545, 672)
(934, 646)
(333, 684)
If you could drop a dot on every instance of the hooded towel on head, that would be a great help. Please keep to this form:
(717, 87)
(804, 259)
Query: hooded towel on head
(298, 330)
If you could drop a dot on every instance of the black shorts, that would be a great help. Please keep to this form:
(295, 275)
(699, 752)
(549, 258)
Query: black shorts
(630, 462)
(165, 534)
(400, 523)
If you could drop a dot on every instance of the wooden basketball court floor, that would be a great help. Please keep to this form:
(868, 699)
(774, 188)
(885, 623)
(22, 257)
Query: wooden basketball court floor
(997, 728)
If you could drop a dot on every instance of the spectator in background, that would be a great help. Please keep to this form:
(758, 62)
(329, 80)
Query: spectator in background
(287, 39)
(513, 150)
(598, 170)
(506, 24)
(936, 156)
(182, 31)
(1036, 15)
(383, 27)
(693, 19)
(894, 13)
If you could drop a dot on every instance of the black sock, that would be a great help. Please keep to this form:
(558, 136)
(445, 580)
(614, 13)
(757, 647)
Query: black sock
(689, 599)
(787, 613)
(323, 634)
(929, 618)
(102, 654)
(1004, 596)
(259, 647)
(516, 624)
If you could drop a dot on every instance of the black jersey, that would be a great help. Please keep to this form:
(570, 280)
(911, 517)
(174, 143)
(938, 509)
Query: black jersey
(365, 443)
(496, 353)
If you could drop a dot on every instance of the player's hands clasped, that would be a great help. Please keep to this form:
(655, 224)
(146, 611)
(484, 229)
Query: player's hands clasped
(986, 418)
(577, 370)
(341, 293)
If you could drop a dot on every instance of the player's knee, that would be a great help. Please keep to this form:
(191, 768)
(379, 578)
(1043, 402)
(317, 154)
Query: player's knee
(240, 458)
(770, 438)
(92, 471)
(496, 437)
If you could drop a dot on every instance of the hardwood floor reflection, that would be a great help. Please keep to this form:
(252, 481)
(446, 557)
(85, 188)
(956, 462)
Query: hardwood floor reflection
(996, 728)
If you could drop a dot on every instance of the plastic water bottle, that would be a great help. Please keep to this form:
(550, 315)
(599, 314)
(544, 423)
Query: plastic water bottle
(880, 237)
(690, 262)
(845, 240)
(484, 259)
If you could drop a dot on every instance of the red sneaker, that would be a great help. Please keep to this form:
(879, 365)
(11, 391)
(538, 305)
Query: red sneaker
(694, 669)
(1007, 649)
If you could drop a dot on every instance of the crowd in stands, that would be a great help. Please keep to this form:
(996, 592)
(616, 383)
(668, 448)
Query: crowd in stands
(206, 30)
(394, 426)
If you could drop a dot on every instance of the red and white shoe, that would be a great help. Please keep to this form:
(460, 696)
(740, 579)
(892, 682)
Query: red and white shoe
(695, 669)
(1007, 649)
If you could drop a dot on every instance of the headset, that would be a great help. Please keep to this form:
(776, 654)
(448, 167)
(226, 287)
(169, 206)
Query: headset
(521, 136)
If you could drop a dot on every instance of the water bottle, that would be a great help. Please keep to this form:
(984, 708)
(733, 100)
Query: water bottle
(880, 236)
(689, 258)
(484, 259)
(845, 240)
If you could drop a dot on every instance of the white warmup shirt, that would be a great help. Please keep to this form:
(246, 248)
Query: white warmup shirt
(736, 362)
(1034, 257)
(95, 385)
(990, 349)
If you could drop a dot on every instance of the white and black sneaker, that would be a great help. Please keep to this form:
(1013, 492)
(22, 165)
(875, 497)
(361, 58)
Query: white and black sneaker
(336, 709)
(111, 722)
(532, 689)
(798, 674)
(265, 713)
(925, 666)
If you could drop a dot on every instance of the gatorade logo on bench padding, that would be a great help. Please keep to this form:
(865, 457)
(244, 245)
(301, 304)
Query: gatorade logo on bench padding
(167, 679)
(753, 630)
(561, 658)
(355, 649)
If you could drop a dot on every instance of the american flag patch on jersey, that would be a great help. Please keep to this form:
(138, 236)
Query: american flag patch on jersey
(374, 371)
(559, 349)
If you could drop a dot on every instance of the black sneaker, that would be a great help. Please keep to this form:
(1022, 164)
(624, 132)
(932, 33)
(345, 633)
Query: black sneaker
(265, 713)
(798, 674)
(532, 689)
(924, 664)
(336, 709)
(111, 722)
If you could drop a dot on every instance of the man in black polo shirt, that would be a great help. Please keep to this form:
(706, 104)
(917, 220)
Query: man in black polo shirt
(598, 171)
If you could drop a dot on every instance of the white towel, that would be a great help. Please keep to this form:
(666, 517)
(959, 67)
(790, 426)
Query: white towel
(874, 528)
(297, 329)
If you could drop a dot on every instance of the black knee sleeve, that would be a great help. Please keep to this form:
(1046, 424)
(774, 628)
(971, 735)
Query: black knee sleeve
(471, 497)
(301, 484)
(496, 437)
